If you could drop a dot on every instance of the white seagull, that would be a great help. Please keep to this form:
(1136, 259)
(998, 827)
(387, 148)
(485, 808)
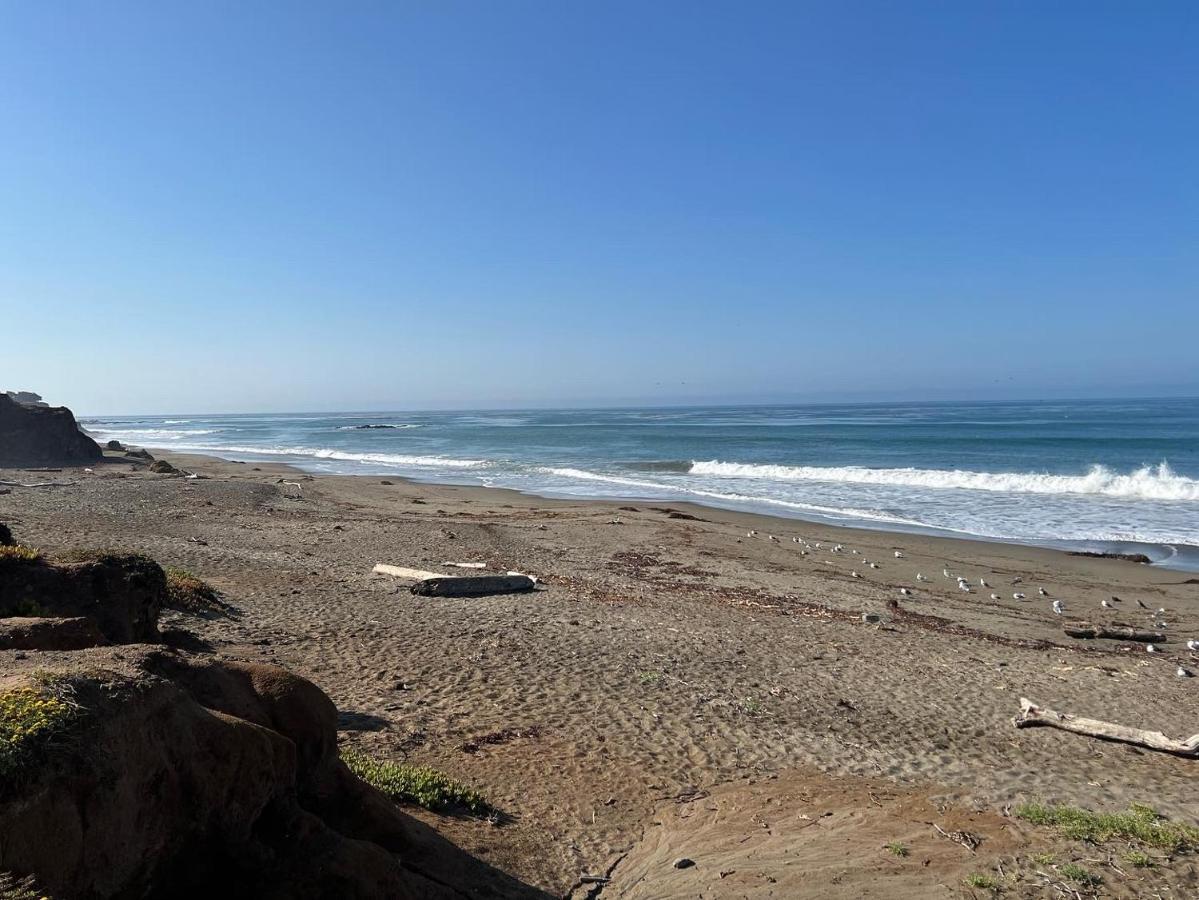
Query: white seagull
(1193, 645)
(1182, 673)
(905, 592)
(1149, 648)
(962, 586)
(1017, 596)
(994, 596)
(920, 577)
(1043, 592)
(1057, 607)
(982, 582)
(1105, 604)
(854, 574)
(898, 555)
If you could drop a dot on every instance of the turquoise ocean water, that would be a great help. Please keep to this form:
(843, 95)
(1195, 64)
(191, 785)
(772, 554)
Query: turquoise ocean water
(1098, 474)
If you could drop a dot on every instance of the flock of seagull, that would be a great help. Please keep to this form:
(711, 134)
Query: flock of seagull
(965, 586)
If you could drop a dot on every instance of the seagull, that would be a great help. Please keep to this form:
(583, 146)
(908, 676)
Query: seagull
(751, 533)
(854, 574)
(1018, 596)
(773, 538)
(1017, 581)
(898, 555)
(920, 577)
(1105, 604)
(982, 582)
(962, 586)
(874, 565)
(994, 596)
(854, 552)
(1161, 611)
(1193, 645)
(1149, 648)
(1057, 607)
(905, 592)
(1182, 673)
(1141, 605)
(945, 572)
(1043, 592)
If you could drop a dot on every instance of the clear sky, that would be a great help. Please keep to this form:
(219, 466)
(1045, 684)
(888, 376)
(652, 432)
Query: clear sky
(310, 206)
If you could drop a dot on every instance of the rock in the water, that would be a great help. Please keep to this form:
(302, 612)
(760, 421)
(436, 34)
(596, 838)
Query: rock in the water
(40, 435)
(49, 634)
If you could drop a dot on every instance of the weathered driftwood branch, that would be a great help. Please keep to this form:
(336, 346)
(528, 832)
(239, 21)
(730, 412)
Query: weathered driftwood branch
(38, 484)
(1032, 716)
(403, 572)
(473, 585)
(1114, 632)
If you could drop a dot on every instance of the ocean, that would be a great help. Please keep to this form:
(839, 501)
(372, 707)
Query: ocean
(1117, 475)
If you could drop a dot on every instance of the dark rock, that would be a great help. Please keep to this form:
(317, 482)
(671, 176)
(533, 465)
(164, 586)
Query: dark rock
(114, 445)
(683, 863)
(140, 453)
(27, 398)
(121, 593)
(49, 634)
(5, 536)
(38, 435)
(1127, 557)
(162, 467)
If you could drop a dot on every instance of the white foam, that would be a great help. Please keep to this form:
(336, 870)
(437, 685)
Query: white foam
(153, 434)
(1158, 482)
(387, 459)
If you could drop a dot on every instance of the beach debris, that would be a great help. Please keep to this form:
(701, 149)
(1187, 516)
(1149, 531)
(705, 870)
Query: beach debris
(1139, 603)
(1017, 580)
(1018, 596)
(38, 484)
(1032, 716)
(871, 618)
(1058, 607)
(466, 565)
(1117, 632)
(402, 572)
(965, 838)
(472, 585)
(196, 540)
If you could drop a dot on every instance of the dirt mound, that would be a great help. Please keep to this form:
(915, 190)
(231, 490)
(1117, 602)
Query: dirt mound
(218, 780)
(121, 593)
(49, 634)
(39, 435)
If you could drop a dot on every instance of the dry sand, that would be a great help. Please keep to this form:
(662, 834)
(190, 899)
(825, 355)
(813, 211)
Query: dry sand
(678, 687)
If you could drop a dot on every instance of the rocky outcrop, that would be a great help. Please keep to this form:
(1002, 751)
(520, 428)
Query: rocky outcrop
(26, 398)
(121, 593)
(179, 778)
(49, 634)
(42, 435)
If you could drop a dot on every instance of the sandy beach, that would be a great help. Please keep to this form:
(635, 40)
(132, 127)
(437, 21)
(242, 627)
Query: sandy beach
(685, 682)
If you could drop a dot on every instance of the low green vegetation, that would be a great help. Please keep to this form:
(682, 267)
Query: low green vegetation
(421, 785)
(982, 882)
(187, 593)
(31, 719)
(1139, 859)
(751, 705)
(1139, 823)
(18, 553)
(649, 677)
(13, 888)
(896, 848)
(1044, 859)
(1079, 875)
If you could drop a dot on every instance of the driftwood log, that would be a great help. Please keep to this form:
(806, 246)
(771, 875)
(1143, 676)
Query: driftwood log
(1032, 716)
(1114, 632)
(472, 585)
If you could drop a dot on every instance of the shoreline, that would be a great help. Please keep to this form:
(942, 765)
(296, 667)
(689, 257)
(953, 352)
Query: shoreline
(1185, 558)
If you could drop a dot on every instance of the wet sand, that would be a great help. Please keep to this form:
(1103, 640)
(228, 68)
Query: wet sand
(668, 660)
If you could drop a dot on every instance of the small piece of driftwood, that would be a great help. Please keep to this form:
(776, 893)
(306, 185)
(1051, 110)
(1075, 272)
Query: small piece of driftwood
(38, 484)
(1114, 632)
(472, 585)
(401, 572)
(1032, 716)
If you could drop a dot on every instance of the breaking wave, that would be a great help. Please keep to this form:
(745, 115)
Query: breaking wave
(1158, 482)
(386, 459)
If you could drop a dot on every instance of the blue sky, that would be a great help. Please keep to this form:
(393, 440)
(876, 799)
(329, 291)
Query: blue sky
(244, 207)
